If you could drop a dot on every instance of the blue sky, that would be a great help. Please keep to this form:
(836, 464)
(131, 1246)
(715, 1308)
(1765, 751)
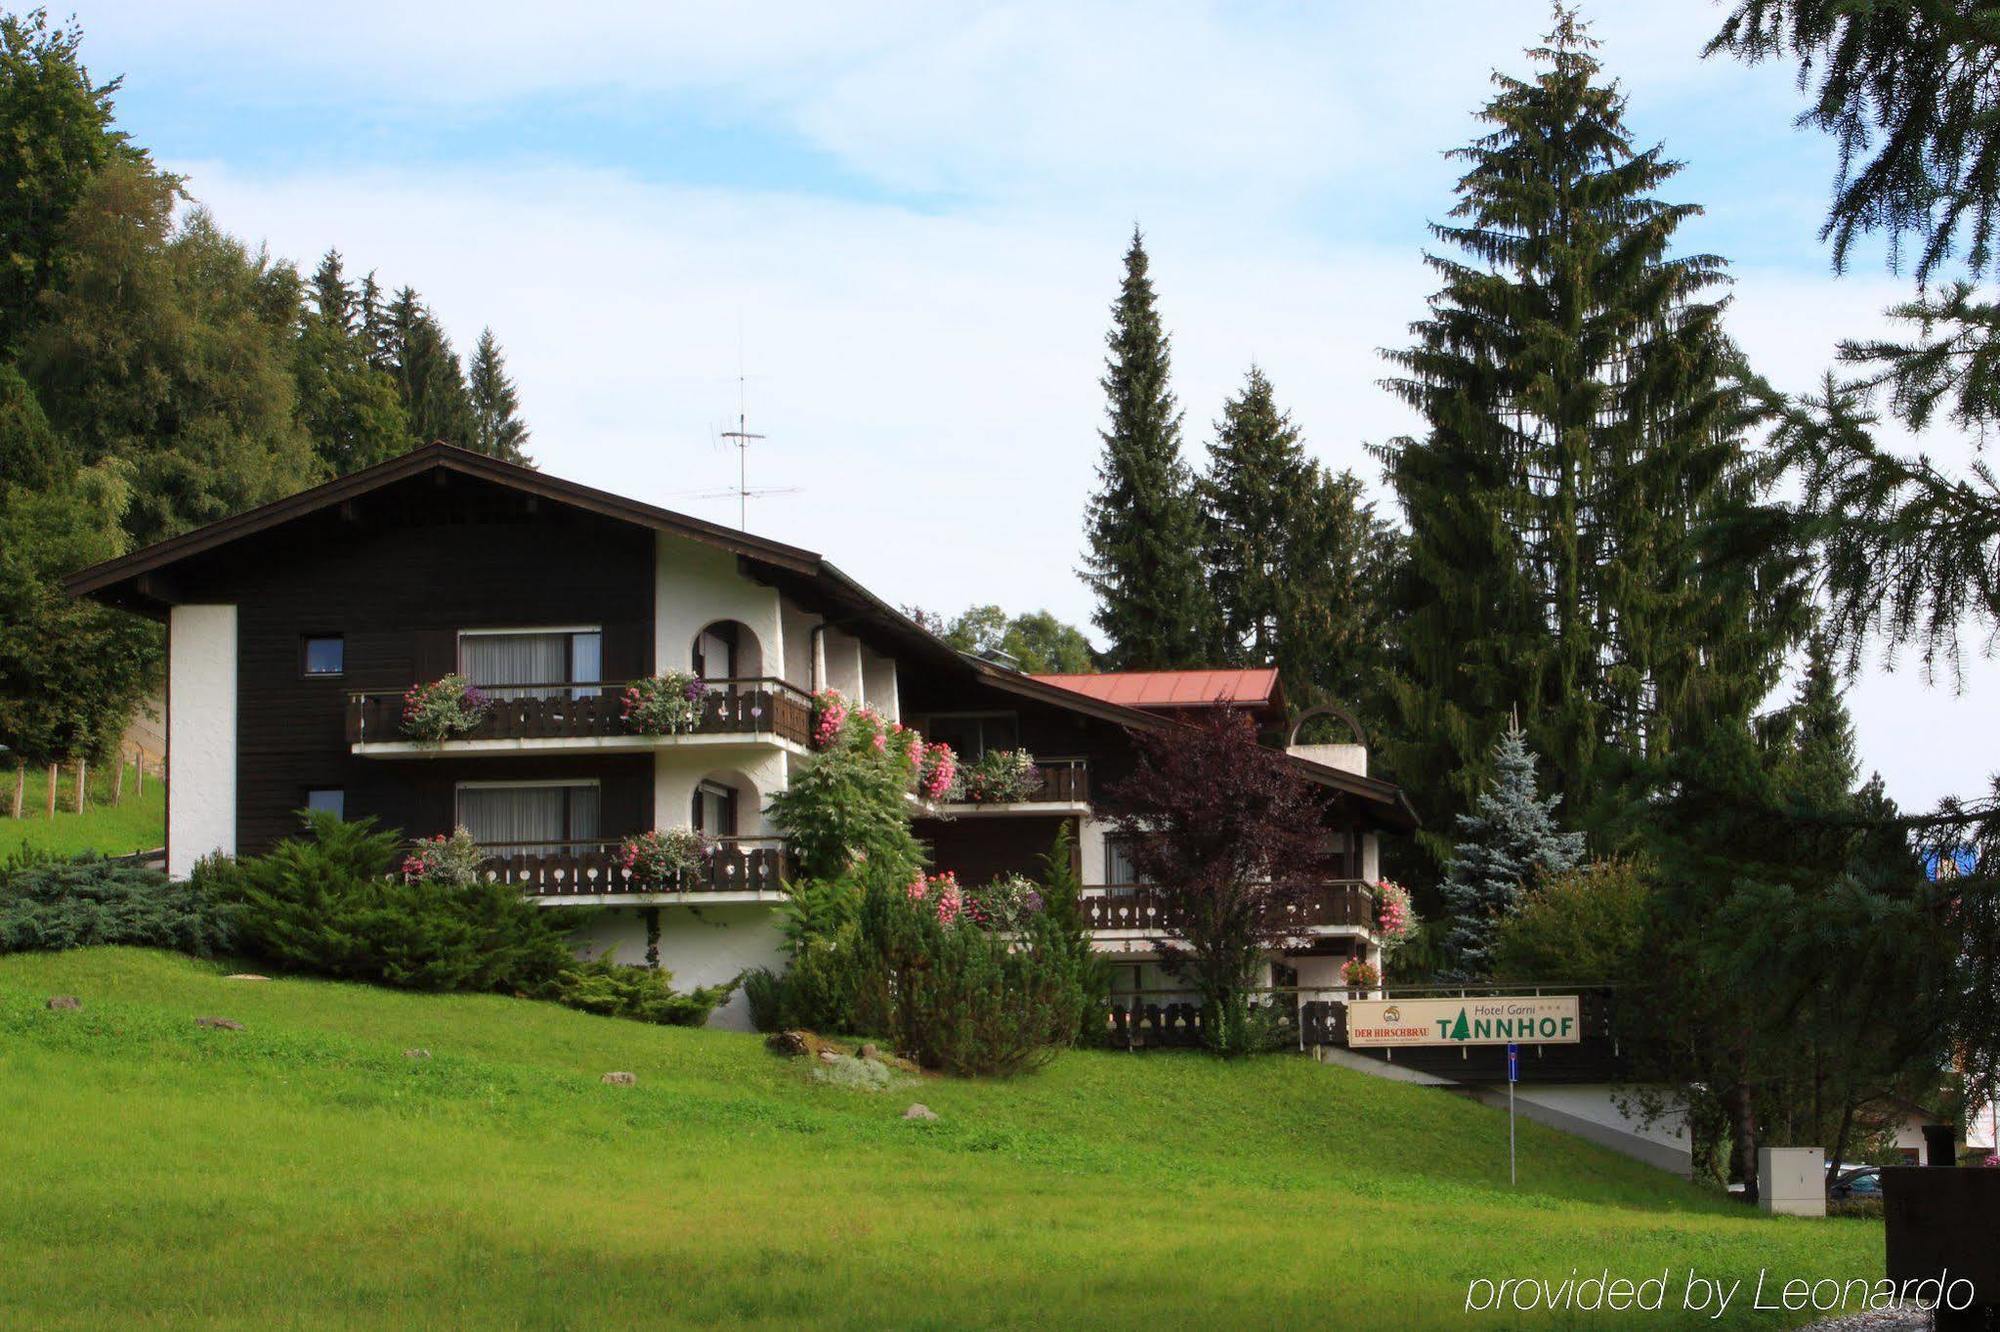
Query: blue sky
(903, 221)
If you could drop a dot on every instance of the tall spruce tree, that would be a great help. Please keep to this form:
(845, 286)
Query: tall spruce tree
(1335, 631)
(427, 374)
(1508, 844)
(347, 404)
(497, 425)
(1583, 443)
(1254, 499)
(1144, 524)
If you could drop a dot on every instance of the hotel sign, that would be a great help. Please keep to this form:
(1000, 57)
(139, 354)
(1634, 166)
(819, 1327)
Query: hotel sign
(1488, 1020)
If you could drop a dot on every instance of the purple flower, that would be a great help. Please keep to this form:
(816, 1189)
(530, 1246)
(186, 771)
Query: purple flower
(695, 689)
(1031, 901)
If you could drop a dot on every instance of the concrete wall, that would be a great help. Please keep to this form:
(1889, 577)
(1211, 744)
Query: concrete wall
(702, 945)
(693, 587)
(201, 734)
(1600, 1112)
(1346, 758)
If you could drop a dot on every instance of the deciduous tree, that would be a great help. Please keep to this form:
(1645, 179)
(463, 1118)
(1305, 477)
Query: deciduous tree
(1233, 844)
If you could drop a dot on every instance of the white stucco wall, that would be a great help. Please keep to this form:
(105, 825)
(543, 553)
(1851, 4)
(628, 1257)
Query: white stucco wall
(696, 585)
(705, 945)
(799, 645)
(878, 682)
(843, 664)
(756, 772)
(201, 734)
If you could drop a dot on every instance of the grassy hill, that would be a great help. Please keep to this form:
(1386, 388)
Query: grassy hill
(138, 822)
(304, 1171)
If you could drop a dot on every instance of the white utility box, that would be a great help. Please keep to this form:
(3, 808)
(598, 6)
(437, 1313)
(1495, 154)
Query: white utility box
(1791, 1181)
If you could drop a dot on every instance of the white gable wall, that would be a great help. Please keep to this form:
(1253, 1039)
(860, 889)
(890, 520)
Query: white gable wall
(696, 585)
(201, 735)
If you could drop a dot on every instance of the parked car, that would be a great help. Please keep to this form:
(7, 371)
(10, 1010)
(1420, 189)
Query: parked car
(1856, 1184)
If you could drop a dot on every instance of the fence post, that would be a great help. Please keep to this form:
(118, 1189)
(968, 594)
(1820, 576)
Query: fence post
(118, 777)
(20, 786)
(55, 780)
(82, 792)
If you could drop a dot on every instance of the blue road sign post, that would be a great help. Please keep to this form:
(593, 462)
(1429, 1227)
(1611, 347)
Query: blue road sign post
(1513, 1076)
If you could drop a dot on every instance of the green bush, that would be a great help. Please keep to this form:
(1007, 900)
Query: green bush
(965, 999)
(645, 994)
(330, 903)
(53, 905)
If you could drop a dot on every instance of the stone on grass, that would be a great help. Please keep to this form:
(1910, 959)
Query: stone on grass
(219, 1023)
(829, 1056)
(918, 1110)
(789, 1042)
(620, 1079)
(869, 1051)
(416, 1054)
(64, 1001)
(246, 975)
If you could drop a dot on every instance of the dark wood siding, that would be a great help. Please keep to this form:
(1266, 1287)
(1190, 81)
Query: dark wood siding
(981, 849)
(398, 575)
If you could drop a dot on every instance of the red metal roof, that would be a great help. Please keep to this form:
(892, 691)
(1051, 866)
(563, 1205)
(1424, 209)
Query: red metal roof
(1174, 689)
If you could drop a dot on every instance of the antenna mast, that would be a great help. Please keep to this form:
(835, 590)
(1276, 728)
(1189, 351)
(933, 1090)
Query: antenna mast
(741, 436)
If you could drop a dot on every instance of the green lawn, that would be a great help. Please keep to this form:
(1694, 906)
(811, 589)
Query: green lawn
(136, 823)
(304, 1172)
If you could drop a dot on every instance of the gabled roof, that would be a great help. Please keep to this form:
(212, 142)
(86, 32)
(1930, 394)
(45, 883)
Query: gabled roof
(1250, 689)
(125, 582)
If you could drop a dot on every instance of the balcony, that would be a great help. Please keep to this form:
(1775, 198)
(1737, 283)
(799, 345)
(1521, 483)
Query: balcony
(1062, 788)
(587, 717)
(1137, 909)
(740, 869)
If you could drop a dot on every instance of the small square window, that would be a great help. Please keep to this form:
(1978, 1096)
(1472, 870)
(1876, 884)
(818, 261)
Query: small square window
(326, 655)
(330, 799)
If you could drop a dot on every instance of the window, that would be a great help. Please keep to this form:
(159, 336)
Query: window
(331, 799)
(538, 663)
(528, 814)
(714, 810)
(973, 734)
(1118, 867)
(325, 654)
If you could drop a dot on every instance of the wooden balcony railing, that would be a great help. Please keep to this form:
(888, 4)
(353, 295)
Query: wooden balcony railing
(760, 706)
(1140, 907)
(1061, 781)
(569, 869)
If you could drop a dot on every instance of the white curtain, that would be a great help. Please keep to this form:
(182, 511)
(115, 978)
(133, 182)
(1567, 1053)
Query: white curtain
(532, 814)
(501, 662)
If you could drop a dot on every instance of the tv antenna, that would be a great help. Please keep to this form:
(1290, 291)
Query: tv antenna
(740, 439)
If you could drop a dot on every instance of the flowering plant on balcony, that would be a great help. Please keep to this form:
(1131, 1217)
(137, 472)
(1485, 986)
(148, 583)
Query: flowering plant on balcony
(447, 861)
(665, 857)
(941, 891)
(938, 771)
(829, 717)
(998, 777)
(1006, 904)
(664, 704)
(1359, 974)
(1394, 920)
(444, 709)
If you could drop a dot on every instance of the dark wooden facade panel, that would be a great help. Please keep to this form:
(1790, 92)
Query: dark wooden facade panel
(981, 849)
(397, 576)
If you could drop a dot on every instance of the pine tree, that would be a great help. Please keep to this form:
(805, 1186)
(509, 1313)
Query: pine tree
(1253, 498)
(347, 404)
(1508, 843)
(1144, 523)
(1583, 444)
(497, 427)
(427, 374)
